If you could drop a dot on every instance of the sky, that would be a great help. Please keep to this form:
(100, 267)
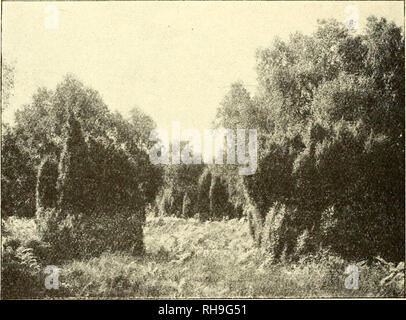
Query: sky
(174, 60)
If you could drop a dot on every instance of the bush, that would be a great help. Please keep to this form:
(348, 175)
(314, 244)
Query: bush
(180, 185)
(119, 179)
(101, 198)
(46, 193)
(331, 142)
(20, 272)
(209, 194)
(278, 232)
(75, 183)
(273, 181)
(237, 195)
(203, 199)
(78, 236)
(170, 202)
(216, 199)
(347, 197)
(220, 205)
(17, 177)
(187, 209)
(255, 221)
(356, 176)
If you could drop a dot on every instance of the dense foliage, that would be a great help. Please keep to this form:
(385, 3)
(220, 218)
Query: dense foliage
(330, 116)
(329, 111)
(84, 170)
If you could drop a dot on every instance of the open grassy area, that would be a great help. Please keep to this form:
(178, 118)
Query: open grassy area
(186, 258)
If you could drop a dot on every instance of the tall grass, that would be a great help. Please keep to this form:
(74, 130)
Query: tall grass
(186, 258)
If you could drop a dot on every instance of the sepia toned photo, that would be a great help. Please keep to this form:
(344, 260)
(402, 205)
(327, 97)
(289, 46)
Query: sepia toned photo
(202, 150)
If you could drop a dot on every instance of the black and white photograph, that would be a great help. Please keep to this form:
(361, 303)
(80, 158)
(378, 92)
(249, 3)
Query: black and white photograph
(158, 150)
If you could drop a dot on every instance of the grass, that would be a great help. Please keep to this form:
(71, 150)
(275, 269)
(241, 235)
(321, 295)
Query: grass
(186, 258)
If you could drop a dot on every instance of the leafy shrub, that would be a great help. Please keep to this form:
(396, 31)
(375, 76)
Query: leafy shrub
(357, 174)
(20, 272)
(333, 203)
(279, 234)
(119, 178)
(46, 193)
(187, 209)
(393, 283)
(255, 221)
(17, 177)
(170, 202)
(331, 142)
(78, 236)
(216, 199)
(220, 205)
(74, 183)
(237, 195)
(273, 181)
(101, 199)
(203, 204)
(207, 193)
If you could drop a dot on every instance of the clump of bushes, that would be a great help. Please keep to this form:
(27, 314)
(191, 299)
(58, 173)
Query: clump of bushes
(206, 194)
(332, 149)
(100, 198)
(203, 199)
(279, 232)
(216, 197)
(179, 194)
(20, 272)
(24, 260)
(330, 122)
(74, 236)
(187, 209)
(343, 191)
(393, 284)
(75, 177)
(220, 205)
(170, 202)
(255, 221)
(353, 170)
(17, 177)
(46, 193)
